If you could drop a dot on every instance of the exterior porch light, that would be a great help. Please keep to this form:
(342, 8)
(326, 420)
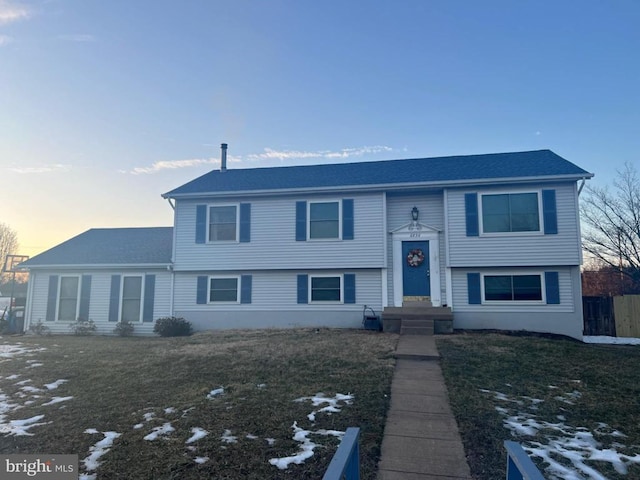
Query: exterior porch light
(414, 213)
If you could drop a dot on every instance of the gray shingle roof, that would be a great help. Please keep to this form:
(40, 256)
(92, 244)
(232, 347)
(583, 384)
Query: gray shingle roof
(438, 170)
(110, 246)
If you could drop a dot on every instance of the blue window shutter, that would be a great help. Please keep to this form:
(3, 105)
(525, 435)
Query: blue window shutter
(347, 219)
(471, 214)
(201, 223)
(85, 297)
(246, 282)
(301, 221)
(550, 215)
(473, 288)
(552, 287)
(149, 297)
(349, 288)
(52, 298)
(245, 222)
(303, 288)
(203, 286)
(114, 298)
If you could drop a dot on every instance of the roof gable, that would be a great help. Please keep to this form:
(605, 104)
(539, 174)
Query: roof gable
(438, 170)
(110, 246)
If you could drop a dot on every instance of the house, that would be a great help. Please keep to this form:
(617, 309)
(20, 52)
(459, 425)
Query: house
(495, 238)
(104, 274)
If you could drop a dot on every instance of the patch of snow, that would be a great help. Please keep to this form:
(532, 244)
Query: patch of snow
(228, 438)
(56, 384)
(21, 427)
(34, 365)
(333, 403)
(198, 433)
(201, 460)
(148, 416)
(29, 388)
(214, 393)
(55, 400)
(159, 431)
(13, 377)
(306, 448)
(603, 340)
(97, 450)
(270, 441)
(575, 445)
(23, 382)
(261, 385)
(8, 350)
(138, 426)
(169, 410)
(251, 437)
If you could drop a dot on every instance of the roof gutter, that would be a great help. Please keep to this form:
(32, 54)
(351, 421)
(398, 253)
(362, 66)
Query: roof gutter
(383, 186)
(101, 266)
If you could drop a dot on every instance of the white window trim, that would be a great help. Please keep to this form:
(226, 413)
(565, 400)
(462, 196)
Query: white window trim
(122, 295)
(540, 230)
(328, 200)
(237, 239)
(223, 277)
(326, 302)
(514, 273)
(79, 277)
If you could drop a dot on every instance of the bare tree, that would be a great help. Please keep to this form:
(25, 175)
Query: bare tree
(8, 242)
(612, 221)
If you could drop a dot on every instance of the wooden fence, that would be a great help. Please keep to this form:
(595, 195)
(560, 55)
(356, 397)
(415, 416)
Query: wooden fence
(612, 316)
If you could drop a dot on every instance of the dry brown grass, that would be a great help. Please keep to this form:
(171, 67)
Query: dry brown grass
(115, 381)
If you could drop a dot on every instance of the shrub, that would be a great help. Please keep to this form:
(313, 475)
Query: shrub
(83, 327)
(39, 328)
(124, 329)
(172, 327)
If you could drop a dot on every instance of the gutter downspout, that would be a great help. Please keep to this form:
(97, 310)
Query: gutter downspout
(584, 180)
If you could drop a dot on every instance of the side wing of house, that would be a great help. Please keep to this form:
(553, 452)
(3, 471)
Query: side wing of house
(58, 298)
(513, 258)
(279, 261)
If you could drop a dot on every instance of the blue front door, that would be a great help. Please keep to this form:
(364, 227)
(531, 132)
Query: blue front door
(415, 269)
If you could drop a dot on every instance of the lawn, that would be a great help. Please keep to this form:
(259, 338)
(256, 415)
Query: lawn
(222, 405)
(574, 407)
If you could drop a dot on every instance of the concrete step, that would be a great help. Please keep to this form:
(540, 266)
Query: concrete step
(416, 330)
(416, 327)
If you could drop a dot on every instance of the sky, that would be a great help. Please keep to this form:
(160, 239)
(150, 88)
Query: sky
(105, 105)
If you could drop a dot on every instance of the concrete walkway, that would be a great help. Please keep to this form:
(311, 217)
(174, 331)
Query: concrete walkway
(421, 439)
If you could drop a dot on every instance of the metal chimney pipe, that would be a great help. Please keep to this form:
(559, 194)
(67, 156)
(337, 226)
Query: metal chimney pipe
(223, 159)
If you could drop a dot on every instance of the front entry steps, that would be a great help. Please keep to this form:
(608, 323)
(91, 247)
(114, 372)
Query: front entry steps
(417, 318)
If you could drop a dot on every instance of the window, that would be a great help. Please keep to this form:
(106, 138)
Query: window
(223, 223)
(513, 288)
(326, 289)
(510, 212)
(223, 289)
(324, 220)
(68, 298)
(131, 299)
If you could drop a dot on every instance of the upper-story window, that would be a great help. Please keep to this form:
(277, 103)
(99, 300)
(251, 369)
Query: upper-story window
(510, 212)
(324, 220)
(223, 223)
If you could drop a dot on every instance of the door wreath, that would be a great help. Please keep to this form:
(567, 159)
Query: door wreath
(415, 257)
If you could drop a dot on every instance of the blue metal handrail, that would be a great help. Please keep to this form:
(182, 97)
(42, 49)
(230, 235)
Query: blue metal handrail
(519, 465)
(345, 464)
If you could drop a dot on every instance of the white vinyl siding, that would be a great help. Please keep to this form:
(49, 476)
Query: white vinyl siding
(273, 239)
(275, 291)
(520, 248)
(99, 299)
